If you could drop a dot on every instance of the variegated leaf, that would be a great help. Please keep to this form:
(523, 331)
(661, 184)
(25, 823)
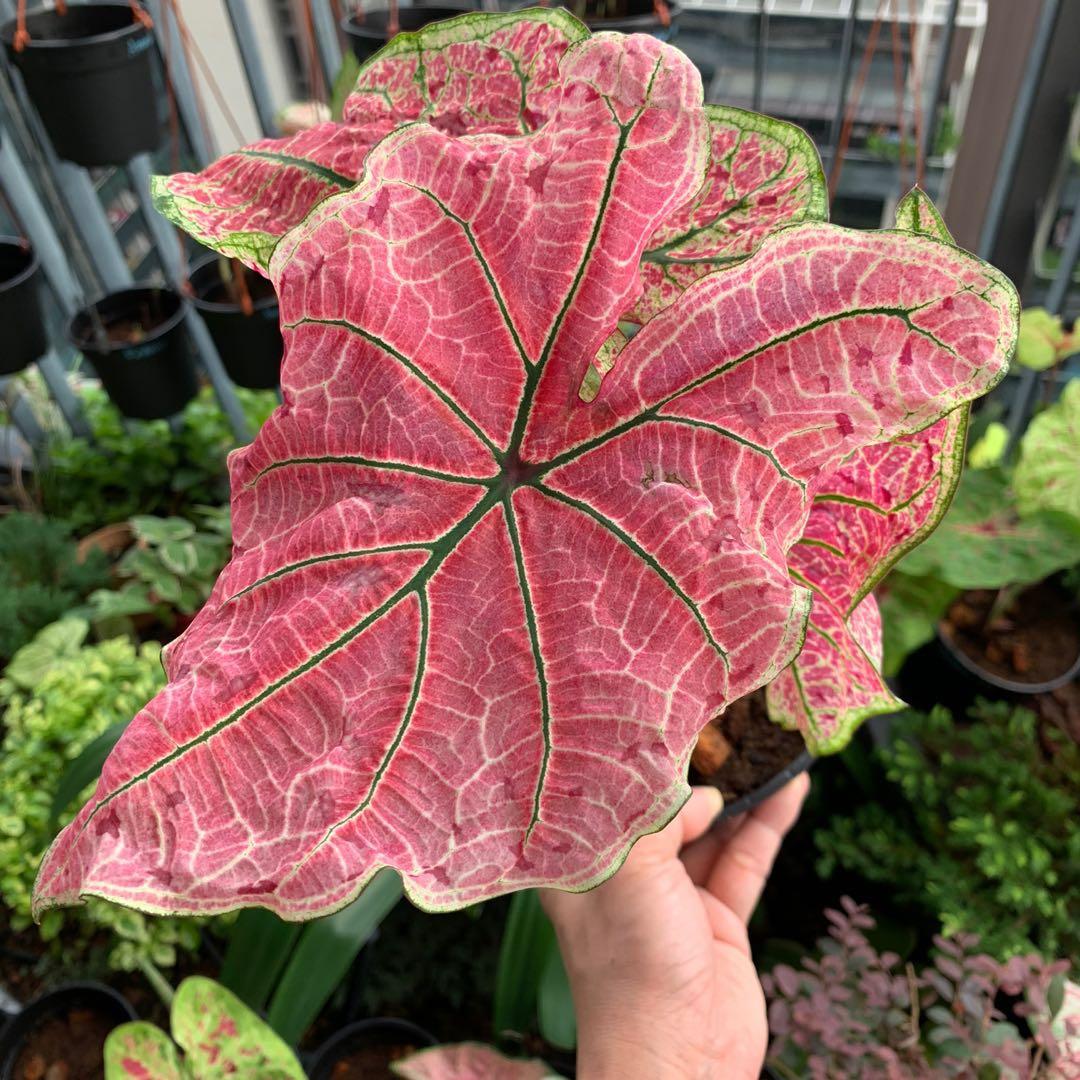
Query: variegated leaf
(882, 502)
(472, 625)
(469, 1061)
(480, 73)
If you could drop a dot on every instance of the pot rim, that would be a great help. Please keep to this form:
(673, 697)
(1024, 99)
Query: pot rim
(349, 26)
(803, 762)
(7, 31)
(13, 1037)
(158, 331)
(215, 306)
(28, 272)
(321, 1057)
(958, 656)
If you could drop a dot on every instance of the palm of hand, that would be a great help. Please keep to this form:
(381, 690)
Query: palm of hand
(658, 956)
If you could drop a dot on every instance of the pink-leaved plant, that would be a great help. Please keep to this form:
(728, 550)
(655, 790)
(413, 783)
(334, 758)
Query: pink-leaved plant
(496, 560)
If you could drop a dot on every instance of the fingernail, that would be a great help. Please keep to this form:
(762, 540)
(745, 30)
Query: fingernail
(717, 800)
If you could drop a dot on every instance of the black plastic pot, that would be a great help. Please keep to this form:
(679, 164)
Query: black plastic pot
(641, 18)
(375, 1032)
(95, 997)
(20, 307)
(90, 75)
(940, 673)
(148, 379)
(368, 35)
(250, 346)
(752, 798)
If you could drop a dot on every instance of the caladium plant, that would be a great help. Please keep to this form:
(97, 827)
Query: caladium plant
(217, 1036)
(473, 623)
(469, 1061)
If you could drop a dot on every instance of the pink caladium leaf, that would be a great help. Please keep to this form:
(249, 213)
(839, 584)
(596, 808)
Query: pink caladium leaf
(765, 174)
(473, 625)
(481, 73)
(882, 501)
(469, 1061)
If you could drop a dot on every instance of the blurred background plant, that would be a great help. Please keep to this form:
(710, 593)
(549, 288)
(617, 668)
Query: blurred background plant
(861, 1014)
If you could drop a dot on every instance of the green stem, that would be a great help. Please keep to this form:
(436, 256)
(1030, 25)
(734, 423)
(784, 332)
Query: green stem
(156, 980)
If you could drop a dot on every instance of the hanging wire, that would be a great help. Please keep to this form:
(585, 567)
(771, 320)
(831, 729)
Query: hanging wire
(853, 103)
(316, 81)
(191, 49)
(916, 96)
(187, 45)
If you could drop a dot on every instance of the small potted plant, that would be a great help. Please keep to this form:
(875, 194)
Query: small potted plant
(657, 17)
(213, 1034)
(240, 309)
(988, 590)
(137, 342)
(88, 70)
(20, 305)
(62, 1033)
(164, 576)
(496, 562)
(368, 1048)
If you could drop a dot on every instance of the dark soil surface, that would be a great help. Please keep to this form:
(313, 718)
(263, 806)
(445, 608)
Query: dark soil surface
(66, 1047)
(742, 748)
(1035, 639)
(125, 331)
(370, 1062)
(259, 288)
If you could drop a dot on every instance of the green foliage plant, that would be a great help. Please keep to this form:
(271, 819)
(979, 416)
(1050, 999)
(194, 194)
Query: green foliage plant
(1047, 476)
(142, 466)
(51, 711)
(991, 538)
(170, 569)
(1043, 341)
(978, 825)
(40, 577)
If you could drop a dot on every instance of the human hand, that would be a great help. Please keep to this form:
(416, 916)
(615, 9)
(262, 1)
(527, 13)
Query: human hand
(658, 956)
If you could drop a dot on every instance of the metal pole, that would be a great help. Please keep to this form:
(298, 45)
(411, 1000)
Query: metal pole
(937, 83)
(22, 416)
(30, 137)
(33, 218)
(178, 72)
(1025, 97)
(248, 47)
(1055, 301)
(172, 259)
(760, 48)
(327, 41)
(847, 46)
(35, 221)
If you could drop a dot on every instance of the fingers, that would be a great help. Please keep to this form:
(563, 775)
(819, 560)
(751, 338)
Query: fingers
(743, 865)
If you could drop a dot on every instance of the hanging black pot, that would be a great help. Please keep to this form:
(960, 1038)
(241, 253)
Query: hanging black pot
(368, 34)
(639, 18)
(334, 1057)
(79, 1014)
(250, 346)
(20, 308)
(89, 73)
(138, 345)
